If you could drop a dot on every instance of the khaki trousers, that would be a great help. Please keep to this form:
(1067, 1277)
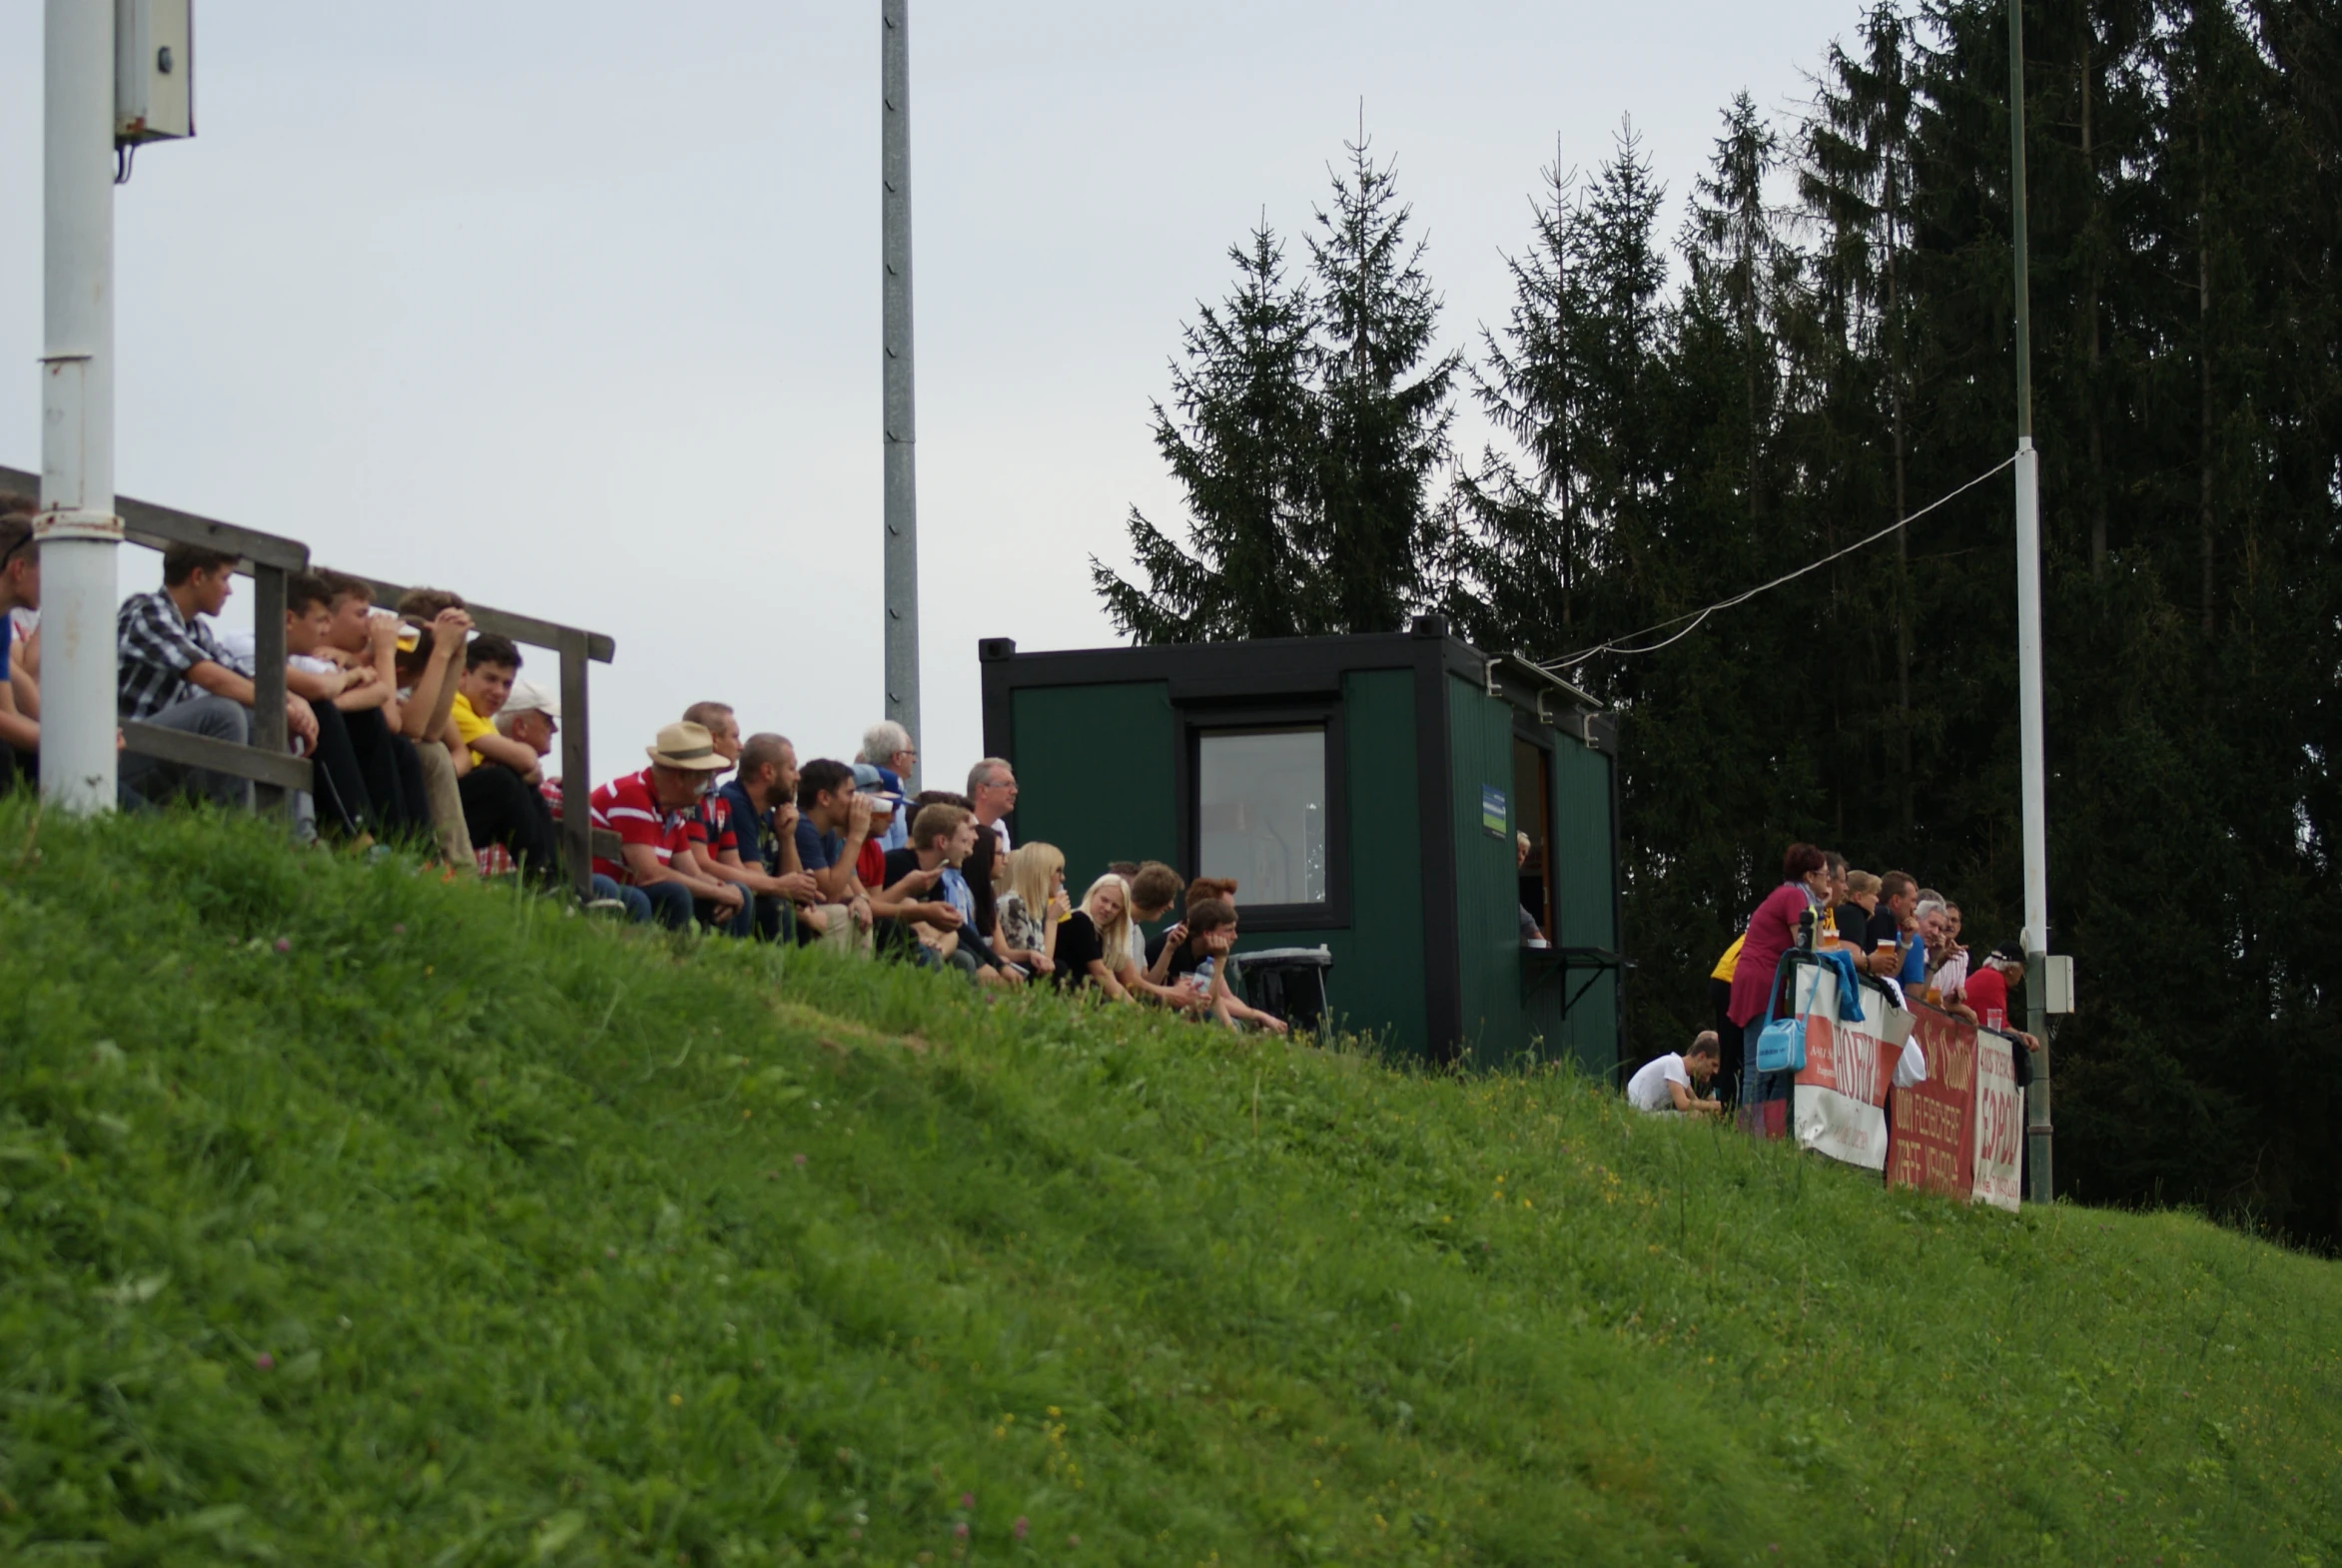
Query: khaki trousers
(446, 805)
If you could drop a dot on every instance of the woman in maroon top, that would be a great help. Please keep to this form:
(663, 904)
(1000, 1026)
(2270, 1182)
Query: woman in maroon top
(1805, 884)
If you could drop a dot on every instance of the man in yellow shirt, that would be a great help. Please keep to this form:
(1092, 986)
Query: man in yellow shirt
(497, 775)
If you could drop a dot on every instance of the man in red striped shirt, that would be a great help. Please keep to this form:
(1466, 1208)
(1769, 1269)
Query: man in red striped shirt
(655, 814)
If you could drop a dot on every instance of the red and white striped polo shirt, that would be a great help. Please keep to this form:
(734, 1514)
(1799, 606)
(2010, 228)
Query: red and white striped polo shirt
(630, 808)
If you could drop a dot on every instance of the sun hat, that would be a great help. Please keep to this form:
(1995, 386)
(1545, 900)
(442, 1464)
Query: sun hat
(686, 745)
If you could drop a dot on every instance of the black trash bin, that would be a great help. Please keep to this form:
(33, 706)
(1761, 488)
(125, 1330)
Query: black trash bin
(1290, 981)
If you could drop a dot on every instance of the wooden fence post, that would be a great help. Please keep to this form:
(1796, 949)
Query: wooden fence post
(267, 681)
(576, 780)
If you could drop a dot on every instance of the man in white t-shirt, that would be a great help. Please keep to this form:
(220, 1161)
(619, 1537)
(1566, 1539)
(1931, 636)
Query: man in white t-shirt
(1663, 1085)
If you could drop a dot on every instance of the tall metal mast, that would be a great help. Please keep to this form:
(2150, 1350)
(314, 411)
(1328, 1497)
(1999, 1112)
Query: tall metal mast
(902, 490)
(2028, 641)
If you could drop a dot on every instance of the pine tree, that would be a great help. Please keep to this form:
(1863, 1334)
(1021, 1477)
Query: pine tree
(1526, 547)
(1240, 443)
(1382, 409)
(1854, 179)
(1309, 424)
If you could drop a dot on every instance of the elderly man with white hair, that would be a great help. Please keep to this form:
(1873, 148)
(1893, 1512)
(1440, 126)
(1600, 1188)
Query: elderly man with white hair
(531, 716)
(888, 747)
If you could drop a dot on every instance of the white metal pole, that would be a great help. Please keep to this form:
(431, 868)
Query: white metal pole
(2036, 806)
(902, 472)
(77, 526)
(2033, 766)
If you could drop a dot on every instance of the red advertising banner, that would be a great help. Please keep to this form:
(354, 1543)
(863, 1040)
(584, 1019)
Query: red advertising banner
(1934, 1140)
(1958, 1131)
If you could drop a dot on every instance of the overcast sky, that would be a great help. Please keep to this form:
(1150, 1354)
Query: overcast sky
(574, 307)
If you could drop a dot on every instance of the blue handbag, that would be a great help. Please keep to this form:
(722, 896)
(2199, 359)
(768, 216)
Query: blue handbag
(1780, 1047)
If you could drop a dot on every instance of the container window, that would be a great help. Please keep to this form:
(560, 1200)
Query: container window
(1260, 812)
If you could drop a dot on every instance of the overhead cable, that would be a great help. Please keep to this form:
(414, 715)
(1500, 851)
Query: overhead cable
(1572, 660)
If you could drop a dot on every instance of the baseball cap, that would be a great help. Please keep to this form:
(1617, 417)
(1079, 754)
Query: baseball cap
(874, 782)
(529, 697)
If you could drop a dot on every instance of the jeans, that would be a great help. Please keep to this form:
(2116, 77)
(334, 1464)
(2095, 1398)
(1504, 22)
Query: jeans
(740, 922)
(636, 901)
(776, 918)
(670, 904)
(220, 718)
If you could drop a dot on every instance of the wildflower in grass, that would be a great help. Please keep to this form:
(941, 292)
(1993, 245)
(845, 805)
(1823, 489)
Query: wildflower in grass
(674, 1398)
(284, 944)
(1021, 1527)
(799, 1159)
(263, 1360)
(960, 1529)
(967, 1499)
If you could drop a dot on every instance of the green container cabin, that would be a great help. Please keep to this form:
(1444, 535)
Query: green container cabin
(1363, 792)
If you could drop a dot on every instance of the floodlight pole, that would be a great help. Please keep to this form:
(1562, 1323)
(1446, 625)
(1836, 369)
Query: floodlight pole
(76, 525)
(902, 491)
(2028, 644)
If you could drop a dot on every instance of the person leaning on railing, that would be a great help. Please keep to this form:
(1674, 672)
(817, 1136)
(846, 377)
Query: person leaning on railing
(1852, 909)
(1773, 931)
(1988, 994)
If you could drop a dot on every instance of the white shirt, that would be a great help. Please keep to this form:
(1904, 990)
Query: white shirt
(1952, 978)
(1647, 1089)
(1911, 1067)
(999, 829)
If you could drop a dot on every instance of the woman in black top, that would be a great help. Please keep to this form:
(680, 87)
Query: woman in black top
(1093, 942)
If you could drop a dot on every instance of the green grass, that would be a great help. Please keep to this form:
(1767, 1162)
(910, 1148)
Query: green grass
(454, 1231)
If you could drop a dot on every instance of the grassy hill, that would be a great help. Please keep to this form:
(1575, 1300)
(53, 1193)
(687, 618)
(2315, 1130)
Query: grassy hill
(349, 1217)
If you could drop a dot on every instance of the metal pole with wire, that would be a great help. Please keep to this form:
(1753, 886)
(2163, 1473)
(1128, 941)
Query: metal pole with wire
(2029, 644)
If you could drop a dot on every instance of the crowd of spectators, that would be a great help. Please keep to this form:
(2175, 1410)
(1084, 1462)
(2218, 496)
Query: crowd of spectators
(1898, 937)
(422, 731)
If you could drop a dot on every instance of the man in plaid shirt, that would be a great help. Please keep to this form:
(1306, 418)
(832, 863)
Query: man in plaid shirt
(173, 674)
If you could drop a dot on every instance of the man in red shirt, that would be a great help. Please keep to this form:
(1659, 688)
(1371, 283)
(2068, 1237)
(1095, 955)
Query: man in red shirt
(655, 814)
(1987, 990)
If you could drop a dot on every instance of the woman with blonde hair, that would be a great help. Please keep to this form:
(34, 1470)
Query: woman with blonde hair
(1093, 943)
(1032, 902)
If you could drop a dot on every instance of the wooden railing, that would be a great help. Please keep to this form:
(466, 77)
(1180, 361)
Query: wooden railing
(266, 559)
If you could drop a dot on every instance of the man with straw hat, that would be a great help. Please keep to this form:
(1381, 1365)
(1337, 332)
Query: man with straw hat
(662, 839)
